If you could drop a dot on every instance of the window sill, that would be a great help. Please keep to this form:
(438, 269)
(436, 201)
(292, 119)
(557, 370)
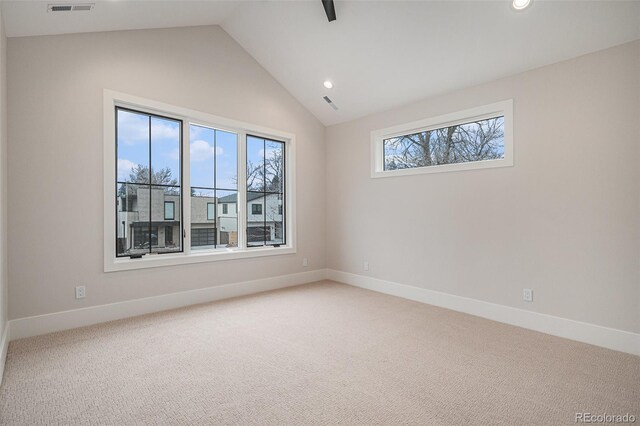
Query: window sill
(160, 260)
(472, 165)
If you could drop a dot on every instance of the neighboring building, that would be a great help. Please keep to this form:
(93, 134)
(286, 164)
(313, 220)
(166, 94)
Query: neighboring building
(134, 214)
(264, 216)
(264, 220)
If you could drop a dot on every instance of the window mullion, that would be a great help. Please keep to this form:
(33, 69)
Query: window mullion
(242, 190)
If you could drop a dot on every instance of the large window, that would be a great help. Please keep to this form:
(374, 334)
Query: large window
(471, 139)
(228, 177)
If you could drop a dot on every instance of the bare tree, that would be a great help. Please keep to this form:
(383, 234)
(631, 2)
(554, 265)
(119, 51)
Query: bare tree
(268, 175)
(476, 141)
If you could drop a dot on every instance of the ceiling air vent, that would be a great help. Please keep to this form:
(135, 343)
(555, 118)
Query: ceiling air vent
(70, 7)
(330, 102)
(81, 7)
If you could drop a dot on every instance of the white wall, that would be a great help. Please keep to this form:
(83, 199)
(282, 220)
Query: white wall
(55, 157)
(4, 288)
(564, 221)
(4, 283)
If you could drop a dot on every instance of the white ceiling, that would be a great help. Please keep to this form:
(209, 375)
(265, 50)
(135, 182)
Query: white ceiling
(30, 17)
(379, 54)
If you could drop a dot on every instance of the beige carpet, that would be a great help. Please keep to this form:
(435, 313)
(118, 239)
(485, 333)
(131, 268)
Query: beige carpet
(323, 353)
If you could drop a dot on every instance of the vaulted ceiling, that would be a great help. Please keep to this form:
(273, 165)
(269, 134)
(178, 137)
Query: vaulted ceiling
(378, 54)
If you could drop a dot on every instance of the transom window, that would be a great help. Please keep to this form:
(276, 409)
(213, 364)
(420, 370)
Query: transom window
(461, 143)
(476, 138)
(169, 160)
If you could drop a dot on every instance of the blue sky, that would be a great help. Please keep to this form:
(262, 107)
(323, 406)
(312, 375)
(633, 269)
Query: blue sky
(202, 159)
(133, 149)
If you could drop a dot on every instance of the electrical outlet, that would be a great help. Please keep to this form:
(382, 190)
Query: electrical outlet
(81, 292)
(366, 265)
(305, 262)
(527, 295)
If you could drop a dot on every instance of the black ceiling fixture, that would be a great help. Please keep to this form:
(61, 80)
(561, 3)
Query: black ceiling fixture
(329, 9)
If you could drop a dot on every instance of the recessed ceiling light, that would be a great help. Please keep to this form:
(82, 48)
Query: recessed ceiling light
(328, 84)
(521, 4)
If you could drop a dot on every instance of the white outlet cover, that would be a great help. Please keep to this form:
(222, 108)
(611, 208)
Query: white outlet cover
(527, 295)
(366, 265)
(81, 292)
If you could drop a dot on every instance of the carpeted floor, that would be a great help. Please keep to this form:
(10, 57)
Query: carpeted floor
(323, 353)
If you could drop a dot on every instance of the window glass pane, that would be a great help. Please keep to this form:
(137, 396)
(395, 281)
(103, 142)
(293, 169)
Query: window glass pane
(274, 219)
(132, 147)
(201, 148)
(274, 166)
(160, 197)
(226, 160)
(203, 229)
(475, 141)
(165, 151)
(227, 218)
(255, 164)
(256, 224)
(132, 219)
(266, 175)
(214, 170)
(148, 217)
(144, 237)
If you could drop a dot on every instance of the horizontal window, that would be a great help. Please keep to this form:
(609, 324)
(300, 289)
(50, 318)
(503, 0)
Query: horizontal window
(148, 145)
(471, 139)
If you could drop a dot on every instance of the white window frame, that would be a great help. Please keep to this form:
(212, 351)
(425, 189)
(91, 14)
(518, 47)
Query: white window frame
(113, 99)
(497, 109)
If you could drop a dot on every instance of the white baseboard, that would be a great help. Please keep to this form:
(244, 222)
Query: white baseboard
(4, 346)
(57, 321)
(575, 330)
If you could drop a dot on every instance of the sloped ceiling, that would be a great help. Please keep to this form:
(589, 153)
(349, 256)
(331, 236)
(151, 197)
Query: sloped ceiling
(378, 54)
(384, 54)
